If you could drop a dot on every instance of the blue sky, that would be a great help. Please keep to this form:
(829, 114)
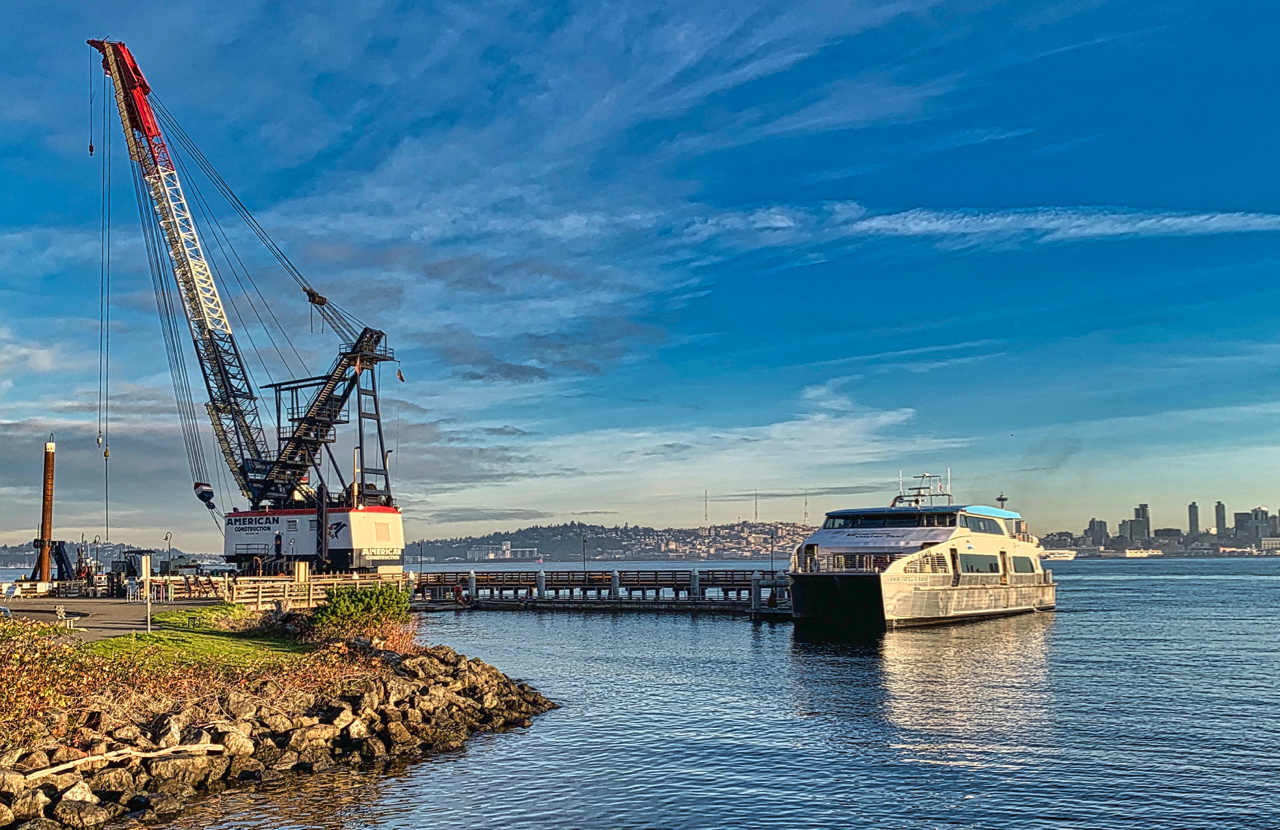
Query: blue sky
(629, 252)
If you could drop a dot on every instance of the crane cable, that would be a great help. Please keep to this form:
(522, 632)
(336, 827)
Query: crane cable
(104, 312)
(342, 322)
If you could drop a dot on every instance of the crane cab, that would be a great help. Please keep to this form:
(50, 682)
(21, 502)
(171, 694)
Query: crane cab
(368, 539)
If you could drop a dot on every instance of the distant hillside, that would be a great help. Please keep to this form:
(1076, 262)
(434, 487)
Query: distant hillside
(24, 556)
(564, 542)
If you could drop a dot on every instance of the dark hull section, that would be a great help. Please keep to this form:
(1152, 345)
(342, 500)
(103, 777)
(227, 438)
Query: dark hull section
(837, 602)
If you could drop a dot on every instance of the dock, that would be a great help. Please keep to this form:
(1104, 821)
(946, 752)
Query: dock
(761, 596)
(738, 592)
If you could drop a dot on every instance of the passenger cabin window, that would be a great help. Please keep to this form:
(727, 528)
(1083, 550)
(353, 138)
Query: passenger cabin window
(979, 563)
(1023, 565)
(983, 524)
(890, 520)
(291, 524)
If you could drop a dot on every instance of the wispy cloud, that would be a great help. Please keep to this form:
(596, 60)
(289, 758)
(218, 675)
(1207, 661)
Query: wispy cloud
(1056, 224)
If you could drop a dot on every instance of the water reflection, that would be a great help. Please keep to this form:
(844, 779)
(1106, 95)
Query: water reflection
(340, 798)
(962, 695)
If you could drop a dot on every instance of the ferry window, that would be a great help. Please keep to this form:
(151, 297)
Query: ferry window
(837, 522)
(311, 525)
(902, 521)
(292, 524)
(984, 524)
(979, 563)
(940, 520)
(1023, 565)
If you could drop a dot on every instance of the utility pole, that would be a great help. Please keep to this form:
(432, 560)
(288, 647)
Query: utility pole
(584, 555)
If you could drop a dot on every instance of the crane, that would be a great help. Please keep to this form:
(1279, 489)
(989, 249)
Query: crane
(293, 514)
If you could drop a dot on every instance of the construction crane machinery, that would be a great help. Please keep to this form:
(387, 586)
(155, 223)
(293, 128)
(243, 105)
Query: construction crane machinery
(293, 514)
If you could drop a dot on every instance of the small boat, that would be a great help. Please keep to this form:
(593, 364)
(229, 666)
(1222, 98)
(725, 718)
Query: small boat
(918, 562)
(1059, 555)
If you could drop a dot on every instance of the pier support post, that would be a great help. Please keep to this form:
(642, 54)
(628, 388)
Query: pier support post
(615, 585)
(695, 590)
(755, 591)
(541, 582)
(471, 586)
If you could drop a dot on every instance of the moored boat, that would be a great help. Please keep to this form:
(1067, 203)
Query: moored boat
(918, 562)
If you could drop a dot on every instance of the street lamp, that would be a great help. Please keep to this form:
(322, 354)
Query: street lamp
(584, 555)
(168, 556)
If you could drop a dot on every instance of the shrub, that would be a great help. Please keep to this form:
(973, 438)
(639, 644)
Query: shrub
(368, 610)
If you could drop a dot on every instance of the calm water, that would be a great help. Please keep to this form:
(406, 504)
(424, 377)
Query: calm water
(1149, 701)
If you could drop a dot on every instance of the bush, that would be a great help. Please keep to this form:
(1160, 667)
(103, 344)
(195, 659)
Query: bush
(367, 610)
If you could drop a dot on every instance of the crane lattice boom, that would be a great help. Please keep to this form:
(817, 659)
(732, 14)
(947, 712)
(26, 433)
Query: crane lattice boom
(359, 525)
(232, 405)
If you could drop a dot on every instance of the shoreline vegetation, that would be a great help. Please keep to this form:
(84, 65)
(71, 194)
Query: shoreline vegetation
(220, 696)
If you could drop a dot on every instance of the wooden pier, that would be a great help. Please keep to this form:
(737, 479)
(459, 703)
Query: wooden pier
(760, 595)
(752, 593)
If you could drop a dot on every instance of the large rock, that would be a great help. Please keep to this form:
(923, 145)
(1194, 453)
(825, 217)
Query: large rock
(315, 759)
(185, 769)
(127, 733)
(399, 689)
(239, 706)
(80, 814)
(6, 815)
(113, 780)
(234, 743)
(193, 736)
(276, 722)
(423, 667)
(244, 769)
(33, 761)
(12, 782)
(163, 804)
(372, 749)
(308, 736)
(400, 736)
(29, 804)
(79, 791)
(167, 731)
(67, 753)
(286, 761)
(267, 752)
(40, 824)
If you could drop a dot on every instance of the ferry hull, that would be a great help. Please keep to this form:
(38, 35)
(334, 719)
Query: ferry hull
(863, 601)
(837, 601)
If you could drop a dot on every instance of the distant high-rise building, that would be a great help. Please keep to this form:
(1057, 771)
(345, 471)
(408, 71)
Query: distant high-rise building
(1096, 533)
(1193, 519)
(1241, 523)
(1131, 529)
(1220, 517)
(1259, 523)
(1141, 525)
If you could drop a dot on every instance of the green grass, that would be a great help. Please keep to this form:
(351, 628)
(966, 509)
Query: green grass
(169, 647)
(205, 617)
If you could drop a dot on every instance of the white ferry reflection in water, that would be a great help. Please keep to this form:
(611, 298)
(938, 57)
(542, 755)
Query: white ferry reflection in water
(922, 561)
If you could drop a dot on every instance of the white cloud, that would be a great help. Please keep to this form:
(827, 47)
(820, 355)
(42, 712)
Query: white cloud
(1056, 224)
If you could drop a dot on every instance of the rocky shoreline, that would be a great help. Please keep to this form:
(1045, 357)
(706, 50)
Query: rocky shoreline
(103, 770)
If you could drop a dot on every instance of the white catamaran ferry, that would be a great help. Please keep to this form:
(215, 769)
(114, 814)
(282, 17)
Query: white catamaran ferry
(922, 561)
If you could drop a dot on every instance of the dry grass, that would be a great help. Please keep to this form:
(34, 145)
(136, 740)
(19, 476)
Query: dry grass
(133, 679)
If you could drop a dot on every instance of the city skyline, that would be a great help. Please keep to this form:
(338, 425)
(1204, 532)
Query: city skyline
(626, 254)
